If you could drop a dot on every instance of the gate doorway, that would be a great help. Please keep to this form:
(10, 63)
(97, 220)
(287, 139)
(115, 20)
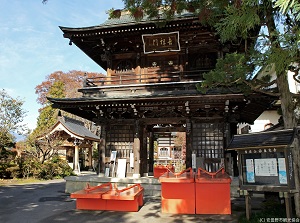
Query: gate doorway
(166, 145)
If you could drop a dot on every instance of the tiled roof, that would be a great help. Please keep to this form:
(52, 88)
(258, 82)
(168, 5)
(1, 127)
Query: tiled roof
(126, 20)
(262, 139)
(78, 128)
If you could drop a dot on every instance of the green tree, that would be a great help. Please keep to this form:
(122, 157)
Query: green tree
(45, 147)
(276, 45)
(48, 115)
(11, 117)
(57, 85)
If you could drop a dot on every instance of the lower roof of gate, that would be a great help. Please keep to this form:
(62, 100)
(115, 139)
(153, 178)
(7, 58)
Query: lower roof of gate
(234, 107)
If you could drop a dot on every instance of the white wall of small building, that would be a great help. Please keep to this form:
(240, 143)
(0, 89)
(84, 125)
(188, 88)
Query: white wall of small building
(294, 86)
(270, 116)
(267, 117)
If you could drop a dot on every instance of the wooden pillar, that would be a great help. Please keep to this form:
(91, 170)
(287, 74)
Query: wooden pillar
(85, 162)
(101, 151)
(138, 73)
(76, 159)
(90, 153)
(109, 74)
(151, 151)
(288, 205)
(248, 204)
(144, 152)
(189, 146)
(136, 150)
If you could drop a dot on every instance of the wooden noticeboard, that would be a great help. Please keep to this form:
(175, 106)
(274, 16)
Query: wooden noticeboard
(269, 169)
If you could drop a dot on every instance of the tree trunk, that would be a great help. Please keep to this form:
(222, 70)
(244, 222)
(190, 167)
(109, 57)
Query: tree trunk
(296, 164)
(287, 107)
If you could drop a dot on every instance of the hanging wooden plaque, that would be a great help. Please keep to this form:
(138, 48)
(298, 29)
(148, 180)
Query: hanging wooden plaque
(161, 42)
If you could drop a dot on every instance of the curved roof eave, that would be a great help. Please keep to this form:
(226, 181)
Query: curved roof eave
(72, 132)
(163, 97)
(125, 21)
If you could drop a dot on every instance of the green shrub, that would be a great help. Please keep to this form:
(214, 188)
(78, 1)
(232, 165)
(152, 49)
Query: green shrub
(6, 162)
(50, 170)
(30, 167)
(56, 168)
(4, 174)
(14, 171)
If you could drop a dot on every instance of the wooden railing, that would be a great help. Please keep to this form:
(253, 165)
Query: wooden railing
(148, 78)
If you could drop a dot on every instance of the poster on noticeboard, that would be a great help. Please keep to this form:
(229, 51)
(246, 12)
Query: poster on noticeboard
(265, 167)
(282, 171)
(250, 171)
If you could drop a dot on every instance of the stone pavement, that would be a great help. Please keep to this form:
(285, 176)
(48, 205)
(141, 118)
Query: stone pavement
(48, 203)
(150, 212)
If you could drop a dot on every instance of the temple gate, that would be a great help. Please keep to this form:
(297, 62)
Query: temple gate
(152, 73)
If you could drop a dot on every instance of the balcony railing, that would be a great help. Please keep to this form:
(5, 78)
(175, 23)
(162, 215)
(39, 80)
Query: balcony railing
(128, 78)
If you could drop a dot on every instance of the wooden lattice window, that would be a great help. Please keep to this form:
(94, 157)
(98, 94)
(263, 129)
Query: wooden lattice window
(119, 138)
(124, 66)
(208, 142)
(203, 61)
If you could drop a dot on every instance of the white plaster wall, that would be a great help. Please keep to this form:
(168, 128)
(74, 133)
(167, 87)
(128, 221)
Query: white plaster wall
(270, 116)
(259, 124)
(265, 118)
(293, 85)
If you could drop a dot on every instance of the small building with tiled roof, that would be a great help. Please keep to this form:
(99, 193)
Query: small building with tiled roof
(77, 142)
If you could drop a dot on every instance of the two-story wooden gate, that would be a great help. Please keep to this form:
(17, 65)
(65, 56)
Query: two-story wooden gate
(152, 73)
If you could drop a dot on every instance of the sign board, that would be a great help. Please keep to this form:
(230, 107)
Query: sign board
(113, 156)
(266, 167)
(270, 169)
(161, 42)
(250, 171)
(194, 161)
(106, 172)
(131, 160)
(121, 171)
(282, 171)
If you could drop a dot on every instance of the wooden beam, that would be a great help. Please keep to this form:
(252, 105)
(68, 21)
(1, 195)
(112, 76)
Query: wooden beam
(153, 121)
(169, 129)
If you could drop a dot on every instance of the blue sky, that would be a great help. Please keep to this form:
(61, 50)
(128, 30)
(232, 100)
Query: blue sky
(32, 45)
